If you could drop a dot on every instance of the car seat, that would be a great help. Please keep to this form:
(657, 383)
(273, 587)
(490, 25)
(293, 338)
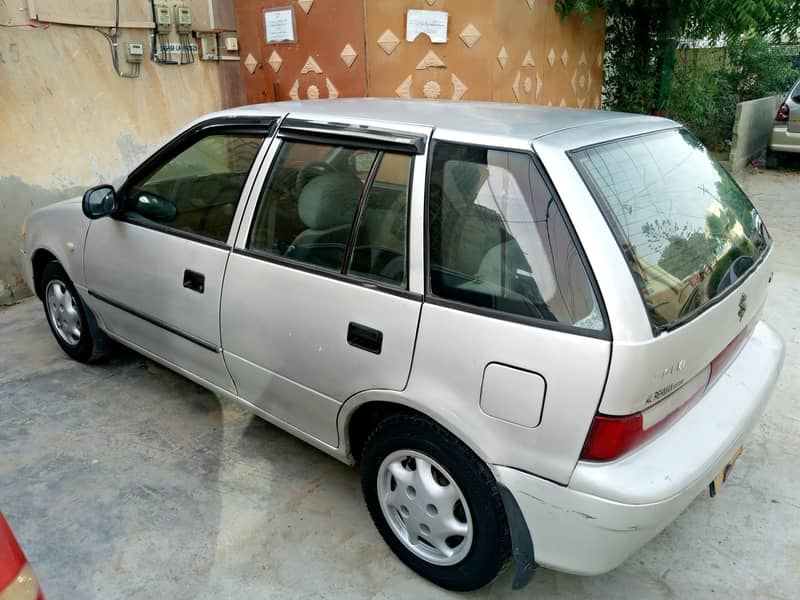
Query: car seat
(327, 205)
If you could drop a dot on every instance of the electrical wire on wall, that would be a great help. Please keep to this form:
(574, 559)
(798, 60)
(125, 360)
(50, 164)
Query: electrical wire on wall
(26, 26)
(159, 43)
(112, 37)
(163, 50)
(187, 54)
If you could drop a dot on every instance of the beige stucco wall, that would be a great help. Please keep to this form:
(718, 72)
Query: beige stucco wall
(67, 121)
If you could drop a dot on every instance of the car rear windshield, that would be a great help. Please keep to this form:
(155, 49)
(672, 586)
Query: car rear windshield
(686, 229)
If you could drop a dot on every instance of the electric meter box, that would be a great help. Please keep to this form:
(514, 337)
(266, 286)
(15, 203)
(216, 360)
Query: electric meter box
(163, 19)
(208, 47)
(183, 19)
(134, 52)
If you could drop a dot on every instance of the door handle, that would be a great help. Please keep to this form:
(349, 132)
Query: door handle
(365, 338)
(192, 280)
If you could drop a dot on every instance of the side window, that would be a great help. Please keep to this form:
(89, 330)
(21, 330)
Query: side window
(498, 240)
(380, 244)
(307, 208)
(198, 190)
(310, 204)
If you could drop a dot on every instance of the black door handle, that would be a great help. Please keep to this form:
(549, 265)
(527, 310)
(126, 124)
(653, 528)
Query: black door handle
(366, 338)
(194, 281)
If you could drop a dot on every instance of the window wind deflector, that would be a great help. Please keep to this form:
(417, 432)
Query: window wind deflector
(365, 137)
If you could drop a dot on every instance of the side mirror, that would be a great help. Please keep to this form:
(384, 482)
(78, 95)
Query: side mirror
(99, 201)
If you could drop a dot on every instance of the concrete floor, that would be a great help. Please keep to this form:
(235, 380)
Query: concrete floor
(125, 480)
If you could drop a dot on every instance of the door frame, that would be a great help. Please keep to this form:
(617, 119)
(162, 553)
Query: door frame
(266, 125)
(363, 133)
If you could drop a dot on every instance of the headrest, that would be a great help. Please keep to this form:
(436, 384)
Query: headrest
(329, 200)
(462, 179)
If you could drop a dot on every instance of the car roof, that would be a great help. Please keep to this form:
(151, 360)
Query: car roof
(514, 121)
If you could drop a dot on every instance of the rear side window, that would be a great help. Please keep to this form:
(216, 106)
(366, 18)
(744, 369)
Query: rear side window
(315, 209)
(686, 229)
(497, 239)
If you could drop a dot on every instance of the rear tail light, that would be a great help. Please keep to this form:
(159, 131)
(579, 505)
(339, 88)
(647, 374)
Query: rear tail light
(724, 358)
(11, 557)
(783, 113)
(610, 437)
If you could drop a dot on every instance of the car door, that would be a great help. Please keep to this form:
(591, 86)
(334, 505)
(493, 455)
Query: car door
(317, 303)
(154, 272)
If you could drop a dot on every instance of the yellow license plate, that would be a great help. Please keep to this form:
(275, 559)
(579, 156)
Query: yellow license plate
(722, 476)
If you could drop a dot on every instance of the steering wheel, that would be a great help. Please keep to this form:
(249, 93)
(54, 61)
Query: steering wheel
(311, 170)
(737, 268)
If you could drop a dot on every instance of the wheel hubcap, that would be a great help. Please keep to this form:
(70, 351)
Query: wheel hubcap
(424, 507)
(62, 308)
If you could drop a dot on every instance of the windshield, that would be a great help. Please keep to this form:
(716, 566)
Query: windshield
(687, 230)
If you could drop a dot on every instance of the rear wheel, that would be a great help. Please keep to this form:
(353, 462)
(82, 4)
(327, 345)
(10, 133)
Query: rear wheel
(71, 322)
(435, 503)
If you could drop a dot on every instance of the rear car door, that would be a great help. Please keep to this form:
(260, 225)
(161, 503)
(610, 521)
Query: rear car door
(317, 304)
(154, 272)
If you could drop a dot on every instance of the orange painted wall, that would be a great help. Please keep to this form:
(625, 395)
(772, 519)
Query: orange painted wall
(500, 50)
(322, 34)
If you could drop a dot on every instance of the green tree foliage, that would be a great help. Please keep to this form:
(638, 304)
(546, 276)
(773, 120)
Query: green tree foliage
(702, 96)
(755, 69)
(643, 35)
(709, 82)
(682, 256)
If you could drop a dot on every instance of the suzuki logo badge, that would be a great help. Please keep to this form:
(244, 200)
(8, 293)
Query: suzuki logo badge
(742, 306)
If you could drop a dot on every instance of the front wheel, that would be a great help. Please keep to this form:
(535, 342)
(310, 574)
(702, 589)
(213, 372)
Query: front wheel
(72, 324)
(435, 503)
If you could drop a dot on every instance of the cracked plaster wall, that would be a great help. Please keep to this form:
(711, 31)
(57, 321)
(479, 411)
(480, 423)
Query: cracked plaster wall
(69, 122)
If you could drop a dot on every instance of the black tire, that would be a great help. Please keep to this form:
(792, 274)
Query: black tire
(490, 549)
(773, 159)
(92, 345)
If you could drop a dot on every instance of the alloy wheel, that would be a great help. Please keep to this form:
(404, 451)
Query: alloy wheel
(62, 308)
(424, 507)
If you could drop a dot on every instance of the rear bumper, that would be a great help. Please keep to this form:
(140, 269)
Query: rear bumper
(609, 510)
(782, 140)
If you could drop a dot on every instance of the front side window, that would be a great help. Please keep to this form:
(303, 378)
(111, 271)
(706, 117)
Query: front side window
(686, 229)
(497, 239)
(198, 190)
(314, 209)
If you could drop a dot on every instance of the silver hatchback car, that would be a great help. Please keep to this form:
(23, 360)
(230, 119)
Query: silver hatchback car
(537, 330)
(785, 137)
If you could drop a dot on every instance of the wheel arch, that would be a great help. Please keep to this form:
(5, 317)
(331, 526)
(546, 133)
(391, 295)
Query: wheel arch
(361, 412)
(40, 259)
